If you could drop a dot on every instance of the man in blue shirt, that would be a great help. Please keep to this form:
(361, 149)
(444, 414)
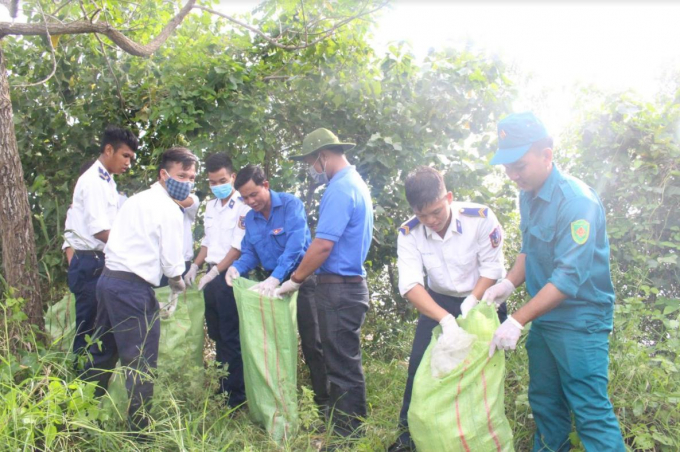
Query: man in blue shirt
(337, 255)
(564, 261)
(277, 237)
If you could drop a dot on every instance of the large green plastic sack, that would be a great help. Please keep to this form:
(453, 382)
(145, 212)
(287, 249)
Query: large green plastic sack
(181, 340)
(464, 410)
(269, 346)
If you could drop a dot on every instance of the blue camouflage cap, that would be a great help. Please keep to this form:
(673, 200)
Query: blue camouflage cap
(516, 134)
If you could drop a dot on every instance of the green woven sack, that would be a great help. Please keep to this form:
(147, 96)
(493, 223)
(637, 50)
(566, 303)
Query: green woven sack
(269, 346)
(464, 410)
(181, 340)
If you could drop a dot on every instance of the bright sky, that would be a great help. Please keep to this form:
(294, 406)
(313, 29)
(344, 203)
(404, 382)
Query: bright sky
(612, 45)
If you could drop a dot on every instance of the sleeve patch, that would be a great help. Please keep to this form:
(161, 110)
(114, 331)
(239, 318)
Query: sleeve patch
(496, 237)
(242, 222)
(580, 230)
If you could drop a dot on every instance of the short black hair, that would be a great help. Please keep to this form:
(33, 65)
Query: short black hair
(216, 162)
(424, 185)
(177, 154)
(541, 144)
(248, 173)
(116, 137)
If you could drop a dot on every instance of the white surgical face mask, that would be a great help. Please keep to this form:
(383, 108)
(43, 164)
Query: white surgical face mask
(320, 178)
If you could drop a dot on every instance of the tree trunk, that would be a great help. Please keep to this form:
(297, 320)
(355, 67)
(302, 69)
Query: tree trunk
(20, 267)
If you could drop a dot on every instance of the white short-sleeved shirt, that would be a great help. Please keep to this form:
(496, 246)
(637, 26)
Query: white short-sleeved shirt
(94, 207)
(472, 247)
(225, 227)
(146, 237)
(189, 218)
(68, 225)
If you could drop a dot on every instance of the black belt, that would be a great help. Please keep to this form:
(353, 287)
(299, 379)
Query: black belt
(338, 279)
(89, 253)
(125, 276)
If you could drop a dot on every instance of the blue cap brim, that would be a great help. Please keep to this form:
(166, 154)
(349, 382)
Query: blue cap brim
(509, 155)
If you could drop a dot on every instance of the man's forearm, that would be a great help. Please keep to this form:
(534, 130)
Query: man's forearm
(102, 236)
(425, 304)
(517, 273)
(547, 299)
(200, 257)
(316, 255)
(229, 259)
(481, 286)
(69, 254)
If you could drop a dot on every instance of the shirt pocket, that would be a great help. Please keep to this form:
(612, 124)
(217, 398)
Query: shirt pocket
(542, 243)
(434, 267)
(279, 238)
(462, 265)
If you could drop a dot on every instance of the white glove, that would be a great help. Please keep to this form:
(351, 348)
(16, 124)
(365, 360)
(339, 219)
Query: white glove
(212, 274)
(190, 276)
(231, 275)
(506, 336)
(267, 287)
(451, 349)
(176, 284)
(286, 288)
(449, 324)
(498, 293)
(168, 308)
(467, 305)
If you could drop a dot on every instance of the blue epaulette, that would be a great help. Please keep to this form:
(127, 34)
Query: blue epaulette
(104, 175)
(480, 212)
(410, 224)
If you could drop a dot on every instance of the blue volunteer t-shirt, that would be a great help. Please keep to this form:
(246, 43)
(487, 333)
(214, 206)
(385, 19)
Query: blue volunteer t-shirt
(565, 240)
(346, 218)
(277, 243)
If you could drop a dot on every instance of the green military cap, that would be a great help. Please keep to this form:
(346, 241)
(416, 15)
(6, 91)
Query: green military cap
(321, 139)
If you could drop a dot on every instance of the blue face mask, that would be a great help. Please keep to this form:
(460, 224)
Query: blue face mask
(222, 191)
(176, 189)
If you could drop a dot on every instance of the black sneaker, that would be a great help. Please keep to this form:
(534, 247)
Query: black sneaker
(404, 443)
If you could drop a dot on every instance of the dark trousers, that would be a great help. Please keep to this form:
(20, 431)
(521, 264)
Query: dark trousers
(83, 274)
(421, 341)
(221, 317)
(308, 327)
(129, 328)
(342, 310)
(164, 279)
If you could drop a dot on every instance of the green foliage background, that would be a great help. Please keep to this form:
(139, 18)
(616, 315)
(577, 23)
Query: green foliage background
(215, 88)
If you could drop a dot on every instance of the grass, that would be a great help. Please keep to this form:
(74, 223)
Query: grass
(42, 406)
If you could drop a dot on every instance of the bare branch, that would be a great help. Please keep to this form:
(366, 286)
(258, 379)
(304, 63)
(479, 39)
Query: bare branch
(274, 42)
(304, 19)
(54, 57)
(85, 27)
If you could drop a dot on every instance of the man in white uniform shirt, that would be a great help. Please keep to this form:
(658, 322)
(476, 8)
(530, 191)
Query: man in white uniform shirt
(460, 247)
(94, 207)
(190, 206)
(224, 223)
(145, 243)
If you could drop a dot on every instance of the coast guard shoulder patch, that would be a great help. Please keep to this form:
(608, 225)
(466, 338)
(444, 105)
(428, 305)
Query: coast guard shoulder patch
(496, 237)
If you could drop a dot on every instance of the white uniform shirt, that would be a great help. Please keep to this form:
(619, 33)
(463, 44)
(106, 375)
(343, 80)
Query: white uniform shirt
(94, 207)
(225, 226)
(146, 237)
(472, 247)
(189, 217)
(68, 225)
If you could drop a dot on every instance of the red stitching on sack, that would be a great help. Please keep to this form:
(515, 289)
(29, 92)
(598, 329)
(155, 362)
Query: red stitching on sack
(460, 427)
(488, 412)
